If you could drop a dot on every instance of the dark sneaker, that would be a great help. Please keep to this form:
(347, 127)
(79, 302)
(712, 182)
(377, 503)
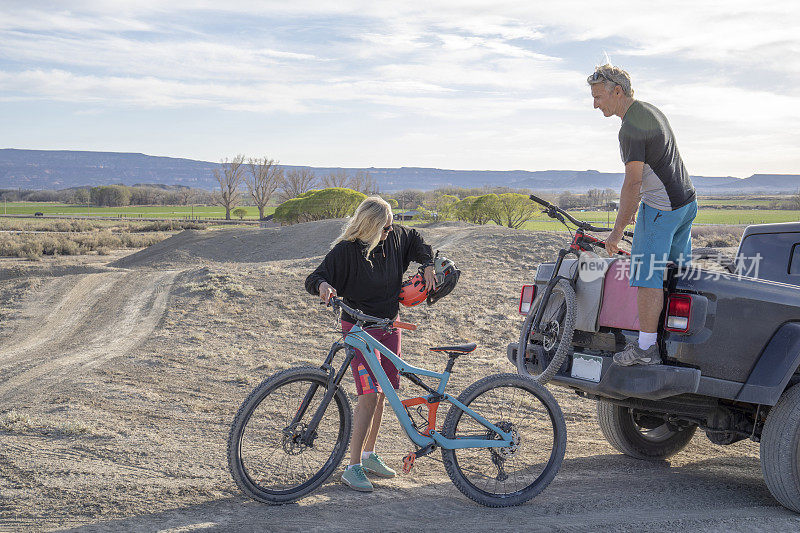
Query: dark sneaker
(355, 478)
(633, 355)
(375, 465)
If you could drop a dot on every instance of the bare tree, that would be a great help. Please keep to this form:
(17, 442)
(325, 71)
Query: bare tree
(336, 179)
(263, 178)
(364, 182)
(409, 198)
(229, 181)
(185, 194)
(297, 182)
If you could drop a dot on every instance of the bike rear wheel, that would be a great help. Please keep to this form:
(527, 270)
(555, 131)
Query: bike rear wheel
(266, 456)
(501, 477)
(554, 342)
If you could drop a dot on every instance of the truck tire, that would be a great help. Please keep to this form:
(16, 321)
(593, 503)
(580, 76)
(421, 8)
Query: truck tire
(780, 455)
(652, 444)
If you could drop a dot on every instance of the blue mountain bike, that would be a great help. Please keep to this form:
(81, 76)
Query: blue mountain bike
(503, 439)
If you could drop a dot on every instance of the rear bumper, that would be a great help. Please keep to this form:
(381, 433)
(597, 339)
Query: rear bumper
(649, 382)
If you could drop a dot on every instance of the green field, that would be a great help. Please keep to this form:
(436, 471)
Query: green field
(738, 201)
(704, 216)
(196, 212)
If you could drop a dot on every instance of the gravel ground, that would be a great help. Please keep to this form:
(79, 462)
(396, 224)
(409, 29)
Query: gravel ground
(119, 381)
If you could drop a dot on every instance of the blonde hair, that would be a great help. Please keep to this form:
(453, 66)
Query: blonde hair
(367, 223)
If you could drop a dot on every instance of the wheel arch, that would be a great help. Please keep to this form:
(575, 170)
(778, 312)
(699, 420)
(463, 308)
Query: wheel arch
(778, 362)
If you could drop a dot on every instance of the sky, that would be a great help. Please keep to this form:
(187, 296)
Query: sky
(489, 85)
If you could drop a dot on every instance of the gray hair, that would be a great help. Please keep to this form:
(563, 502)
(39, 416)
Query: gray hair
(611, 76)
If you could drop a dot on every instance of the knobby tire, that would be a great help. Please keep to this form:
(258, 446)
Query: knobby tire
(265, 461)
(564, 315)
(526, 408)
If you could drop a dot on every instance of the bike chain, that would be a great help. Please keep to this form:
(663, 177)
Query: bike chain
(439, 460)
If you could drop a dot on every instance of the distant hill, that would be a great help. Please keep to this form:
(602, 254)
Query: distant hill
(62, 169)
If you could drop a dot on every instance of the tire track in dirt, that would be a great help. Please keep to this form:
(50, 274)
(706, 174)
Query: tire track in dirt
(76, 322)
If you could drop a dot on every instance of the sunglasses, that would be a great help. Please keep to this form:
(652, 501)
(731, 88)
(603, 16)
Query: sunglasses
(387, 228)
(597, 76)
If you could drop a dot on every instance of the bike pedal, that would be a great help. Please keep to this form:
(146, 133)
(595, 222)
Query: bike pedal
(408, 462)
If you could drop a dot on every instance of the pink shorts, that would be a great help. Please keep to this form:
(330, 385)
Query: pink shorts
(363, 376)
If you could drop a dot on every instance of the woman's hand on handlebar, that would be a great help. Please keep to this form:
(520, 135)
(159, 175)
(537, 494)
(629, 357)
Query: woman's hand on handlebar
(326, 291)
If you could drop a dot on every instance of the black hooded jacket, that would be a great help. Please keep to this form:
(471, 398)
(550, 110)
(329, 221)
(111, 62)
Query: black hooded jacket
(372, 288)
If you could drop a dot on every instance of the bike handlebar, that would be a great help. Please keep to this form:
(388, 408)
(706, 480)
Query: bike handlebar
(559, 214)
(363, 317)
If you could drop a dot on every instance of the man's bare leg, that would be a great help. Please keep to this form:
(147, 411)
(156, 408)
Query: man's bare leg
(649, 301)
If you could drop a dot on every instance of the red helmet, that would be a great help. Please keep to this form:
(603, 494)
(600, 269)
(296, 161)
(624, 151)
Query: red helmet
(413, 291)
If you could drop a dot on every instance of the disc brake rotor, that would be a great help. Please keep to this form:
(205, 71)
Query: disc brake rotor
(292, 438)
(499, 455)
(550, 335)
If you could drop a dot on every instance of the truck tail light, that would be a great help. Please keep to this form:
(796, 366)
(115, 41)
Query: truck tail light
(679, 310)
(526, 298)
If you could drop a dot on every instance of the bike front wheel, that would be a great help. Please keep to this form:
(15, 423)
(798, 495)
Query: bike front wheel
(268, 457)
(554, 342)
(501, 477)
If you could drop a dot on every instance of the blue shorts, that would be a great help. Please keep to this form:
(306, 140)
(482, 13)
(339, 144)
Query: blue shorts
(660, 237)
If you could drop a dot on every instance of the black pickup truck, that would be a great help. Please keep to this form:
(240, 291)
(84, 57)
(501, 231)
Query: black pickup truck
(730, 345)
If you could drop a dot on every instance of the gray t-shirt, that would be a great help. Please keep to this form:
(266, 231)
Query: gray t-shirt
(645, 135)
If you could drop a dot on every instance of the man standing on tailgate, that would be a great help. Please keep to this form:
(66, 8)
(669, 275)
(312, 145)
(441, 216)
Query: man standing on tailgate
(657, 184)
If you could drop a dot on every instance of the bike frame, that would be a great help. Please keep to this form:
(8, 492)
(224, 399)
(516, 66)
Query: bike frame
(359, 339)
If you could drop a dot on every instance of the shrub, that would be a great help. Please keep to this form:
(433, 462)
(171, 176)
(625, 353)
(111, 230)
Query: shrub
(334, 202)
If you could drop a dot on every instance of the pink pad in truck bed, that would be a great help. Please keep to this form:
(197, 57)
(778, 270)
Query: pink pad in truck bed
(619, 309)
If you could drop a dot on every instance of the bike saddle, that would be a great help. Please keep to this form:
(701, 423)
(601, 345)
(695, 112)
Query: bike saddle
(455, 351)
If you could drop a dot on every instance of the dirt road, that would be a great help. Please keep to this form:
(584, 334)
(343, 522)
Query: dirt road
(118, 386)
(75, 322)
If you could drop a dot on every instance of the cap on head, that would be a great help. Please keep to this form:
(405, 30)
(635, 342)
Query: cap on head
(611, 76)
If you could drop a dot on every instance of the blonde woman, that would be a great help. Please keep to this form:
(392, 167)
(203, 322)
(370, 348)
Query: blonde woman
(365, 267)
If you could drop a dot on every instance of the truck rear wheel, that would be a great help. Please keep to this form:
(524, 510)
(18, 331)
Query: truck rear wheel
(780, 450)
(637, 435)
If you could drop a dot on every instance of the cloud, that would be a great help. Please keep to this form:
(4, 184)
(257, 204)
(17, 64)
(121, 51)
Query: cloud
(726, 73)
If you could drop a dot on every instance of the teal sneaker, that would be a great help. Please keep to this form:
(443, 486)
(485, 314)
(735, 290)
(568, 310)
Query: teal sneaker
(375, 465)
(355, 478)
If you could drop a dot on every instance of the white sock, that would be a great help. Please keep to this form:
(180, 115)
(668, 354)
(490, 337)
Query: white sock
(351, 466)
(646, 340)
(366, 454)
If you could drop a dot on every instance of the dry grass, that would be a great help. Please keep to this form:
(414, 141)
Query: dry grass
(77, 225)
(14, 422)
(214, 283)
(35, 245)
(716, 236)
(22, 423)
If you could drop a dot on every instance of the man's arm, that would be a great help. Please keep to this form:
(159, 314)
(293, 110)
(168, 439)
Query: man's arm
(629, 199)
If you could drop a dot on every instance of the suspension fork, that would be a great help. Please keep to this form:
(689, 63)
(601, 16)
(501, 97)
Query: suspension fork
(333, 383)
(548, 290)
(326, 366)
